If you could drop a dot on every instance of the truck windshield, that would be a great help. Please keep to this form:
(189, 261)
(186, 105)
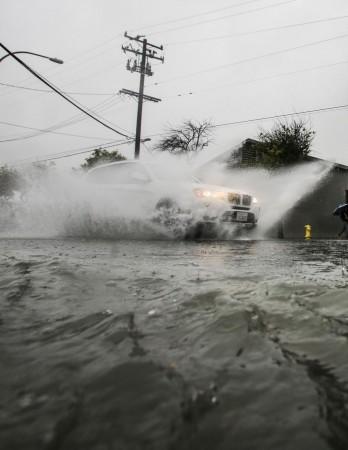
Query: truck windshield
(173, 174)
(119, 174)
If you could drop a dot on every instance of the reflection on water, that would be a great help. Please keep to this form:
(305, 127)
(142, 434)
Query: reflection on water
(173, 345)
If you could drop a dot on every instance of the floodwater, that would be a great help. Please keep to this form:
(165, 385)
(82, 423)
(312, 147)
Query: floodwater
(129, 345)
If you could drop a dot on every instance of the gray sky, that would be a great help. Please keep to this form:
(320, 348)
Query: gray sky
(220, 64)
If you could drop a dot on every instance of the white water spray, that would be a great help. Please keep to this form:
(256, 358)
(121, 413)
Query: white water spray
(277, 192)
(61, 203)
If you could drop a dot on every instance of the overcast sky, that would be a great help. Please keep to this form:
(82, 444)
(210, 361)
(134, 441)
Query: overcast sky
(225, 61)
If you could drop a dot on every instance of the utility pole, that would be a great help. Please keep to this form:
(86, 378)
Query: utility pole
(140, 63)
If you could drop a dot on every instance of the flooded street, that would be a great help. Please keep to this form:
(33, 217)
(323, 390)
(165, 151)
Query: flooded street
(173, 345)
(174, 225)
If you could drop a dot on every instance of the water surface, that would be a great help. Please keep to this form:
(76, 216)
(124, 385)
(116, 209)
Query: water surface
(133, 345)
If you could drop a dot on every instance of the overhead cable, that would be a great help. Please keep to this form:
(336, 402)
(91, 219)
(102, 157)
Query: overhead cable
(102, 106)
(262, 30)
(168, 22)
(253, 58)
(227, 16)
(51, 91)
(71, 101)
(87, 151)
(279, 116)
(75, 152)
(43, 131)
(253, 80)
(239, 122)
(120, 35)
(194, 16)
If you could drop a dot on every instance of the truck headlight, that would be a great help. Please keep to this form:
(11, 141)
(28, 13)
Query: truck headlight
(203, 193)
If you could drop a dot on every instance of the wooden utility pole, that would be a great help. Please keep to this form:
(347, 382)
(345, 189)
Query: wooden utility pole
(140, 63)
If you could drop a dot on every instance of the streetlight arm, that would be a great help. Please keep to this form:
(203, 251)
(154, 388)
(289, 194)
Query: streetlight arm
(60, 93)
(55, 60)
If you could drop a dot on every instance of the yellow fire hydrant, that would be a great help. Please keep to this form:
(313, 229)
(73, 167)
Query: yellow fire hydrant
(308, 231)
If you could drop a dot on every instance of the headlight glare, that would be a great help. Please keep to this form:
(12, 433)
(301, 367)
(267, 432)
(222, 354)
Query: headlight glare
(204, 193)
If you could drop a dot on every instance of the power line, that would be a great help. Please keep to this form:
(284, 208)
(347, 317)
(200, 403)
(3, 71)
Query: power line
(74, 80)
(278, 116)
(174, 21)
(94, 73)
(107, 104)
(273, 5)
(106, 42)
(168, 22)
(262, 30)
(100, 106)
(86, 151)
(87, 148)
(154, 26)
(239, 122)
(120, 35)
(78, 118)
(253, 58)
(270, 77)
(72, 102)
(43, 131)
(51, 91)
(259, 119)
(68, 122)
(78, 151)
(194, 16)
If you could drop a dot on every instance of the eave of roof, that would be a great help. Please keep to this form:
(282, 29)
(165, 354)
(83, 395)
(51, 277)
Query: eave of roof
(335, 164)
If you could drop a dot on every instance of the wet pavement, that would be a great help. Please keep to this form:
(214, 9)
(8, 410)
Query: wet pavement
(173, 345)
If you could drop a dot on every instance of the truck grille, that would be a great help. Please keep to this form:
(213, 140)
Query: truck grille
(247, 200)
(234, 198)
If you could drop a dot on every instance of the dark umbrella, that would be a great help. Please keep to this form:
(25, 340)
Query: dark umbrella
(342, 212)
(340, 209)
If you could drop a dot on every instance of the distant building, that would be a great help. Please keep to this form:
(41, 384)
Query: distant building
(316, 207)
(244, 155)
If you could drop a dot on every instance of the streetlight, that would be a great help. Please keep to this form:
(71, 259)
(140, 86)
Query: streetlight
(55, 60)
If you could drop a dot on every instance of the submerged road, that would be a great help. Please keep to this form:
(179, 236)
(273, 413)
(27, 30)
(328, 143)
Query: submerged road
(133, 345)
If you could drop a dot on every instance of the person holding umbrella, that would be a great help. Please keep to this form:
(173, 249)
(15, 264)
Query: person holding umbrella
(342, 212)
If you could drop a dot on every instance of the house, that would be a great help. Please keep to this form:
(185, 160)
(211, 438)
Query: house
(314, 208)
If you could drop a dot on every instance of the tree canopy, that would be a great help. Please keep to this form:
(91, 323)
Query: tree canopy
(10, 181)
(285, 144)
(190, 137)
(101, 156)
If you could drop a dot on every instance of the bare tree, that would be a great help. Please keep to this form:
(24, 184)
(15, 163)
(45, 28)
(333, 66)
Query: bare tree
(10, 181)
(190, 137)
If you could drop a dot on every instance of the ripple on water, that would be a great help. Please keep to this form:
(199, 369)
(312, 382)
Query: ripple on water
(253, 353)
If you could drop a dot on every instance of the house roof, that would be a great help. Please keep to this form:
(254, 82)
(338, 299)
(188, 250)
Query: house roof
(335, 164)
(227, 156)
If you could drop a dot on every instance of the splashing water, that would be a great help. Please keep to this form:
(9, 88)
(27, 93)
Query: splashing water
(277, 192)
(62, 203)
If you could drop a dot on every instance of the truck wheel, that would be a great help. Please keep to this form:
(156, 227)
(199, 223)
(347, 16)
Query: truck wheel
(167, 211)
(166, 204)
